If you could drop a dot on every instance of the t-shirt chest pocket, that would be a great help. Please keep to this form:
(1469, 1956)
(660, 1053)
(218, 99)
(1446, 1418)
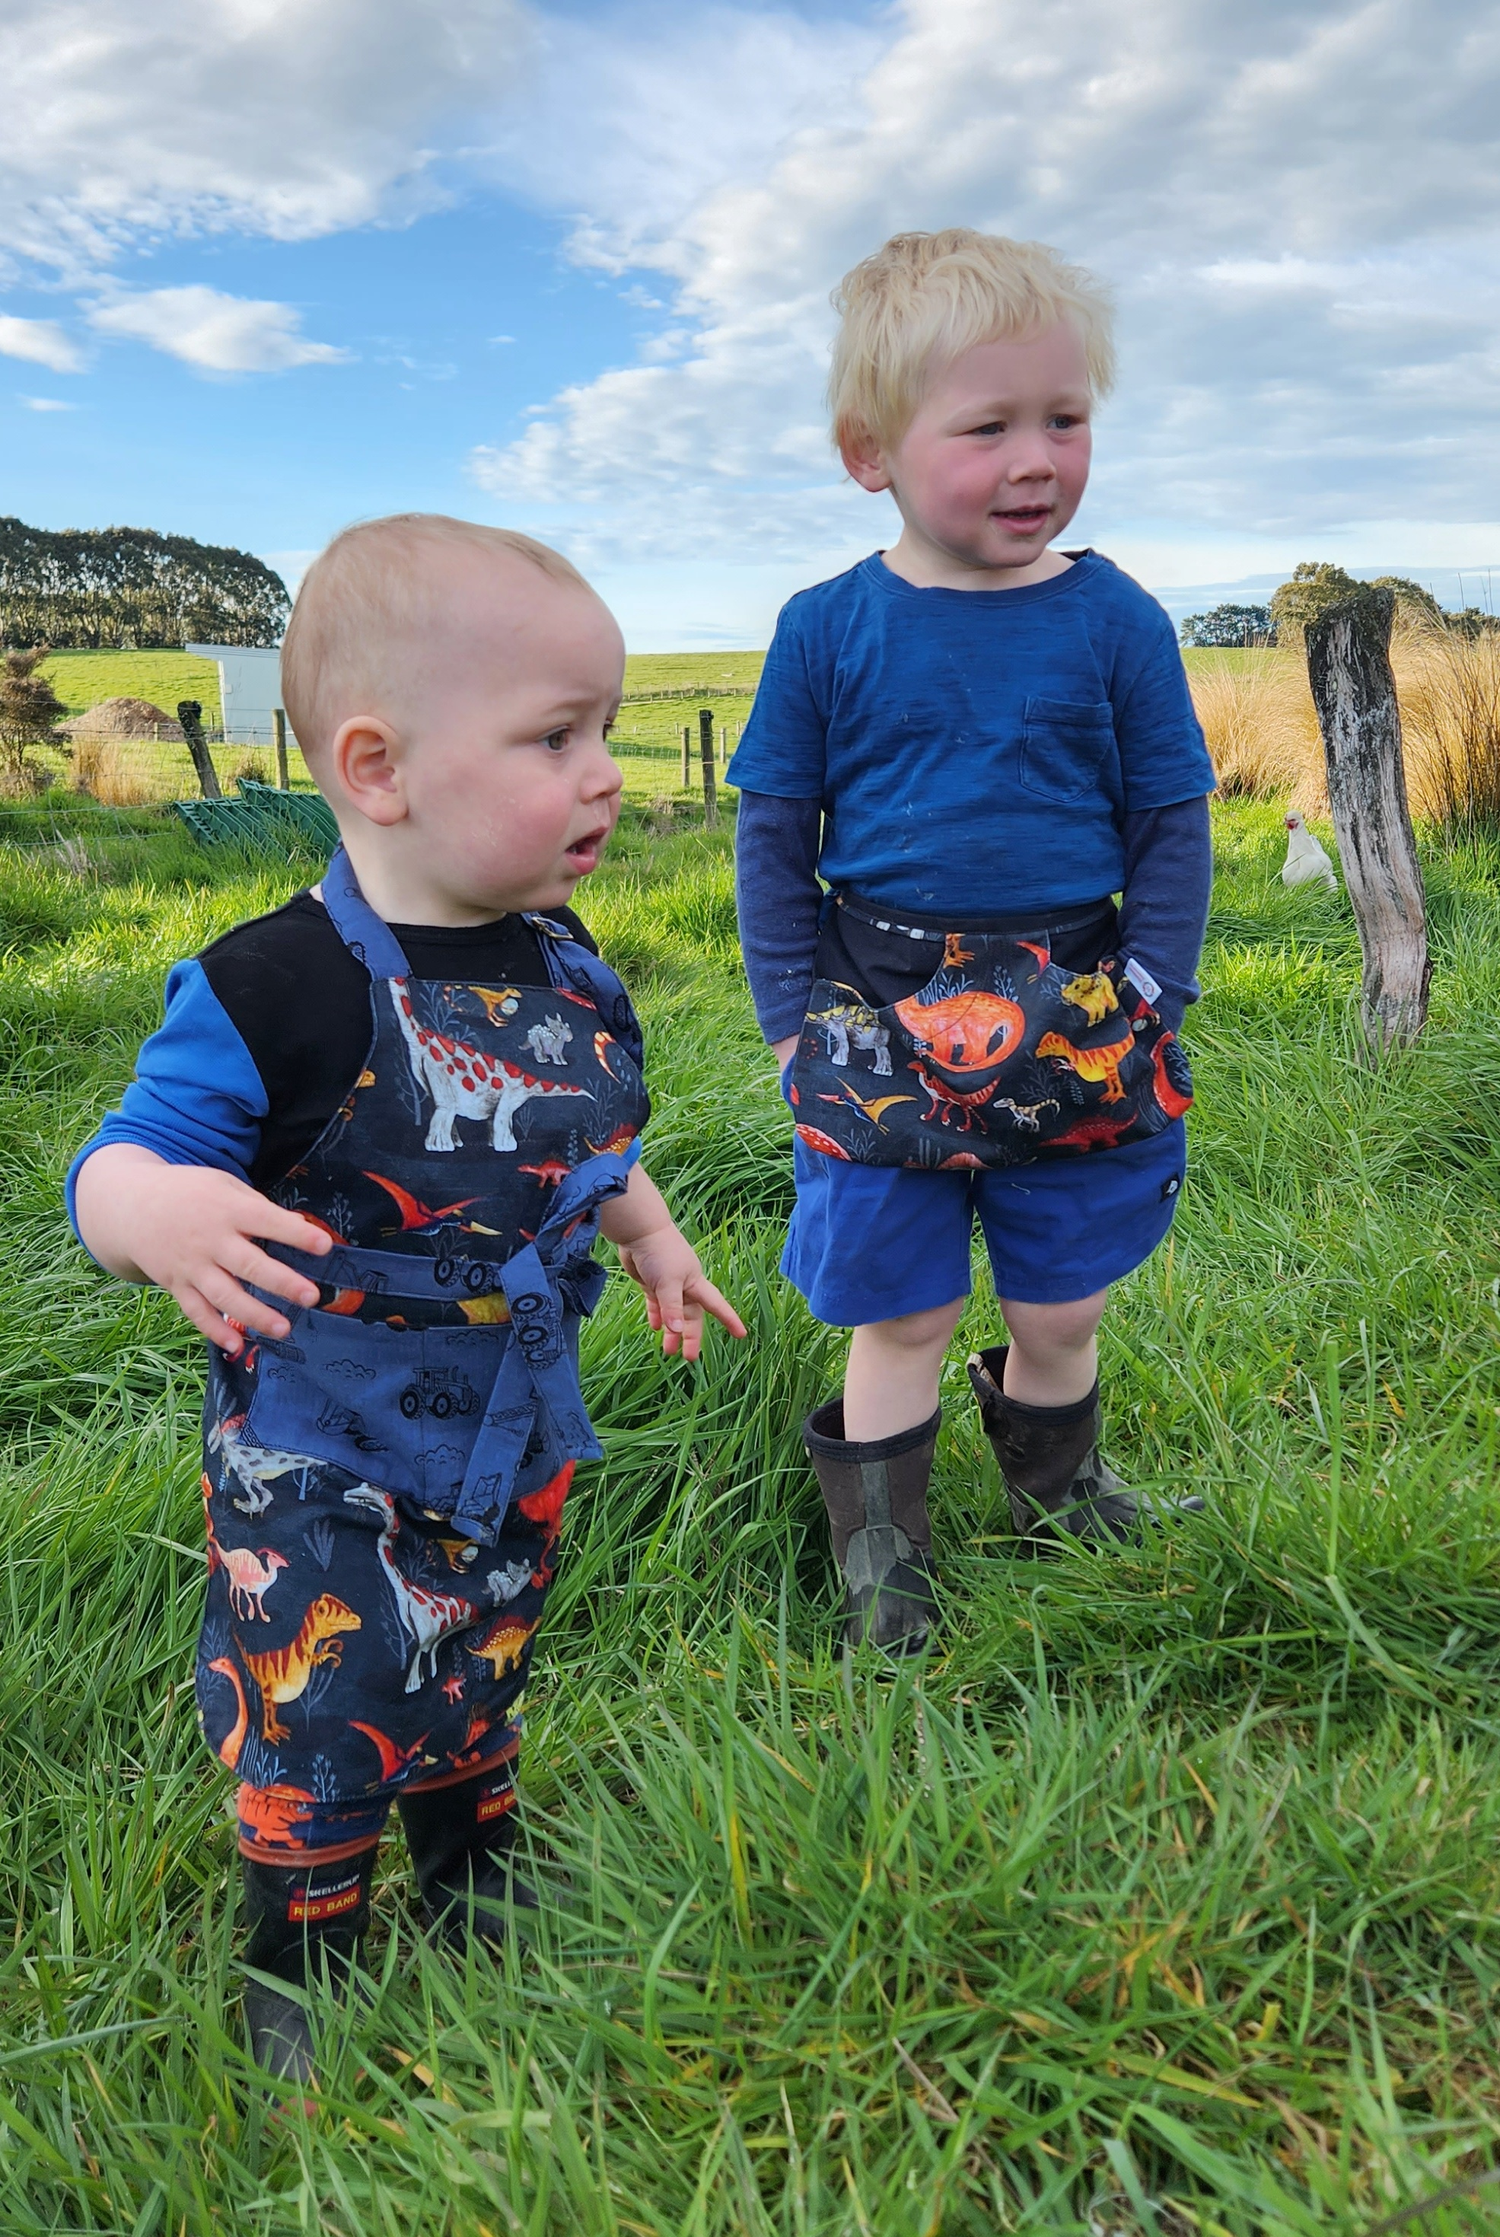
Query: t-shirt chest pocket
(1064, 744)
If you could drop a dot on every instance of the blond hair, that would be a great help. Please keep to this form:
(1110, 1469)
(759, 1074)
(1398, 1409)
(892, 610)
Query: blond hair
(925, 298)
(370, 592)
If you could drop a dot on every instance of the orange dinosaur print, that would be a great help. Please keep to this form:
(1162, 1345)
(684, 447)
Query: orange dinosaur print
(950, 1099)
(546, 1506)
(283, 1674)
(250, 1575)
(503, 1645)
(392, 1758)
(1091, 1064)
(966, 1032)
(816, 1139)
(272, 1811)
(234, 1738)
(1094, 1133)
(954, 951)
(1171, 1099)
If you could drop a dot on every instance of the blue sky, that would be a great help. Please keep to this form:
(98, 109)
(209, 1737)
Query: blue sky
(270, 265)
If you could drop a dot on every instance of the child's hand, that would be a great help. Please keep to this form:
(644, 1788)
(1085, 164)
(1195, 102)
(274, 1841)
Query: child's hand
(654, 1253)
(678, 1292)
(195, 1233)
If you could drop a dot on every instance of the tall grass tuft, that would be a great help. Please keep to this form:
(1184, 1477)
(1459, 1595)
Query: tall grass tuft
(1450, 707)
(1262, 729)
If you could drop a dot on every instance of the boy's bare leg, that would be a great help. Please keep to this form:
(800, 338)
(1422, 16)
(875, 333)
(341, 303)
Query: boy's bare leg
(891, 1381)
(1053, 1358)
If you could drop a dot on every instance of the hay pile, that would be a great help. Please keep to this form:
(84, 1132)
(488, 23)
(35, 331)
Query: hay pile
(124, 718)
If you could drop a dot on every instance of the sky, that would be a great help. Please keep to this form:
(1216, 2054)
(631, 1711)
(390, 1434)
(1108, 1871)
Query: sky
(268, 266)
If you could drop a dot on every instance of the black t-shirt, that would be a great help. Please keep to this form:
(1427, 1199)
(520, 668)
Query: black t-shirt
(301, 1004)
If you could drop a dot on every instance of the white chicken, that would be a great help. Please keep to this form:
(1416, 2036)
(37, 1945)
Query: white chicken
(1306, 859)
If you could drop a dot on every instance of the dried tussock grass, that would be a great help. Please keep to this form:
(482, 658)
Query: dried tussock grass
(115, 771)
(1449, 687)
(1262, 728)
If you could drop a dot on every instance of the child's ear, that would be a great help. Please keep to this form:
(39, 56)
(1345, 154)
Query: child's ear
(366, 759)
(865, 460)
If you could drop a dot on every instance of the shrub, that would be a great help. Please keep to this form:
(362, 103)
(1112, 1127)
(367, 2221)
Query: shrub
(1226, 626)
(28, 709)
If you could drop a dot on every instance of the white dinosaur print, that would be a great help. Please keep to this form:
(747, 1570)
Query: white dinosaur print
(465, 1082)
(426, 1617)
(548, 1043)
(254, 1467)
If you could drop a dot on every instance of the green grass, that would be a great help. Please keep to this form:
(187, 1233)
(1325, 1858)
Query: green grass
(1172, 1878)
(82, 679)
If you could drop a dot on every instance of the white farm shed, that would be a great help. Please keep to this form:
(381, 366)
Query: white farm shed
(250, 687)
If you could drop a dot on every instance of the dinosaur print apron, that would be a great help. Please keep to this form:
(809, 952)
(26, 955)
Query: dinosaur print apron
(1003, 1056)
(384, 1486)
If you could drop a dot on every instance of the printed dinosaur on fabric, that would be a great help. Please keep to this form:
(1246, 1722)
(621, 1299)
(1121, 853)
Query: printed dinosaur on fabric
(465, 1082)
(282, 1674)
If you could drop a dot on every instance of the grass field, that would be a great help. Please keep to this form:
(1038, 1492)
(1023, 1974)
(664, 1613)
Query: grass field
(1163, 1899)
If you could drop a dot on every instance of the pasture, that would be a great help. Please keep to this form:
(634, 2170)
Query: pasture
(1163, 1898)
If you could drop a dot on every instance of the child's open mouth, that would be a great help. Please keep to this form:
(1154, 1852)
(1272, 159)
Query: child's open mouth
(1024, 520)
(584, 853)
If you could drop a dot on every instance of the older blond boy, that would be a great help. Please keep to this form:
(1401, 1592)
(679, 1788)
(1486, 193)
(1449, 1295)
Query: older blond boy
(960, 752)
(369, 1152)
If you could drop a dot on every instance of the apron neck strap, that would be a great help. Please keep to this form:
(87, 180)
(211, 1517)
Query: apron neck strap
(367, 937)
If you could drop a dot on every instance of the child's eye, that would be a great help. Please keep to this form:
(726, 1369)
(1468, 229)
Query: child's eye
(556, 741)
(990, 427)
(1067, 419)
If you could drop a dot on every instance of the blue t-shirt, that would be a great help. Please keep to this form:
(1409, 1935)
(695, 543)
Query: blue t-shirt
(975, 751)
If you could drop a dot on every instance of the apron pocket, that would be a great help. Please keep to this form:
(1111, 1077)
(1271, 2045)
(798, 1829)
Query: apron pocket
(400, 1407)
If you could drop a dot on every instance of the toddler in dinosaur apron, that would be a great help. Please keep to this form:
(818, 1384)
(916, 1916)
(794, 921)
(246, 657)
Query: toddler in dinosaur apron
(370, 1151)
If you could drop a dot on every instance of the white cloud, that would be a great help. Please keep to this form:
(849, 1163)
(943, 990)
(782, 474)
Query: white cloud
(1296, 210)
(216, 333)
(132, 116)
(40, 341)
(45, 404)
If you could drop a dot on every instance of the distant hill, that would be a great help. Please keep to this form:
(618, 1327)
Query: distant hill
(88, 589)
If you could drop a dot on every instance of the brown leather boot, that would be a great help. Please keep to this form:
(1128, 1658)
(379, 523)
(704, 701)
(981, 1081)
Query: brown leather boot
(1056, 1482)
(876, 1497)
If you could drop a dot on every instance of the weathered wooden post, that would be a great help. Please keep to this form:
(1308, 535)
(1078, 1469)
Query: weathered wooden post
(278, 734)
(687, 758)
(190, 715)
(1349, 669)
(706, 755)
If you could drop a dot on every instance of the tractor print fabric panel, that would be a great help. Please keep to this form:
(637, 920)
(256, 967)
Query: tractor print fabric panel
(1003, 1057)
(348, 1646)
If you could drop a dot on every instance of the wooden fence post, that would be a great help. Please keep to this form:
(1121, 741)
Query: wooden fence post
(1349, 669)
(706, 754)
(190, 715)
(687, 758)
(278, 735)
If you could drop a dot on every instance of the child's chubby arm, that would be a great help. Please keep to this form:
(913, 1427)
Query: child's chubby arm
(195, 1232)
(655, 1253)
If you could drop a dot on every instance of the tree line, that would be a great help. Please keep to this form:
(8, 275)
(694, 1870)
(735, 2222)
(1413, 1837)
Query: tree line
(1313, 585)
(84, 589)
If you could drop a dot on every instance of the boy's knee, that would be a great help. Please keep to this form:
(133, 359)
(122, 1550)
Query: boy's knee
(915, 1331)
(1065, 1327)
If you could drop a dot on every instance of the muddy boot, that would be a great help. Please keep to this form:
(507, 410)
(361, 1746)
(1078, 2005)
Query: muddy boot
(461, 1840)
(301, 1919)
(1056, 1483)
(876, 1497)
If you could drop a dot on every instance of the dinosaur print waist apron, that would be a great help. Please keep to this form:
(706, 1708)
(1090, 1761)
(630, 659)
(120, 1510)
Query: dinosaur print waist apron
(1003, 1056)
(384, 1485)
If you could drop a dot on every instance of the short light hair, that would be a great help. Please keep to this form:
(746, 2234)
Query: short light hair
(925, 298)
(371, 590)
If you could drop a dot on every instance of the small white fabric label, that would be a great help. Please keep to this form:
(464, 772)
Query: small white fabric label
(1141, 979)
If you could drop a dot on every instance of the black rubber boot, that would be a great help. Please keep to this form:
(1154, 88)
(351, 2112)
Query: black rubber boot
(301, 1919)
(1057, 1484)
(461, 1840)
(876, 1497)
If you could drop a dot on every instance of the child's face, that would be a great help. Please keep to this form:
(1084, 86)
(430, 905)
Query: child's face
(493, 779)
(994, 464)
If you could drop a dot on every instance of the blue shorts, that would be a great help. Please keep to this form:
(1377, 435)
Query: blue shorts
(869, 1242)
